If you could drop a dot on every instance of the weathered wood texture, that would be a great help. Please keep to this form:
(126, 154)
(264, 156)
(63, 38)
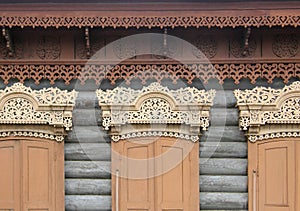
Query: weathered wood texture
(223, 159)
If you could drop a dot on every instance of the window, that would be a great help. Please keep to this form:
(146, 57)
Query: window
(32, 128)
(272, 121)
(155, 149)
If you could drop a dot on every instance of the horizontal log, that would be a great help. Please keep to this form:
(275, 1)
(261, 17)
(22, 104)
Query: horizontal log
(86, 117)
(88, 186)
(223, 183)
(86, 99)
(223, 149)
(224, 117)
(224, 98)
(88, 151)
(222, 166)
(101, 151)
(221, 201)
(223, 134)
(87, 169)
(88, 134)
(87, 202)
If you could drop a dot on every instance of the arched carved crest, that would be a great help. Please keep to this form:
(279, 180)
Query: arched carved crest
(155, 111)
(45, 113)
(270, 113)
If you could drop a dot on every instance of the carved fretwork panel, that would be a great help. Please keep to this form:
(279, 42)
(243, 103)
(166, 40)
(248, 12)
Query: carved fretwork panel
(45, 113)
(155, 111)
(267, 113)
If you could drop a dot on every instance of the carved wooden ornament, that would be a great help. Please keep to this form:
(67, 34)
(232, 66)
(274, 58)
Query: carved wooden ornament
(270, 113)
(45, 113)
(155, 111)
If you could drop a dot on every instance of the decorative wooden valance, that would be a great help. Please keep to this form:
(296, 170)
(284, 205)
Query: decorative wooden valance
(255, 14)
(149, 71)
(270, 113)
(155, 111)
(45, 113)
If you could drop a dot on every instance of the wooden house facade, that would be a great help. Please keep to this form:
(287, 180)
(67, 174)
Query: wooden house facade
(150, 105)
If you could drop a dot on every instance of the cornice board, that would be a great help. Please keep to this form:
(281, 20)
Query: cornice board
(149, 71)
(270, 113)
(46, 112)
(152, 15)
(154, 110)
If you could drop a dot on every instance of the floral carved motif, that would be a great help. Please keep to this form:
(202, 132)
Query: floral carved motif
(267, 112)
(186, 109)
(48, 48)
(285, 46)
(205, 45)
(147, 72)
(51, 107)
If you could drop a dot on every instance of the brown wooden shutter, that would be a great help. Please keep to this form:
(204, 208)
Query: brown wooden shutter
(176, 189)
(9, 175)
(30, 177)
(277, 181)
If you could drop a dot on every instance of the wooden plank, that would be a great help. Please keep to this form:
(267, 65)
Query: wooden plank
(224, 116)
(227, 201)
(223, 183)
(88, 202)
(222, 166)
(88, 186)
(87, 151)
(223, 134)
(88, 134)
(223, 149)
(87, 169)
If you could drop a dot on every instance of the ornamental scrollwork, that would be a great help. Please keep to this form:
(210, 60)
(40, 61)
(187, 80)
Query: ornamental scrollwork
(48, 47)
(149, 71)
(205, 46)
(52, 107)
(269, 113)
(285, 46)
(148, 21)
(185, 109)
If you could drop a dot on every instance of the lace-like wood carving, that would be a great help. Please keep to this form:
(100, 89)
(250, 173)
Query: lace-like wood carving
(150, 21)
(270, 113)
(155, 110)
(45, 113)
(149, 71)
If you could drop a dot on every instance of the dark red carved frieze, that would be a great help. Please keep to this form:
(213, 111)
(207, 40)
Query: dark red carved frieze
(145, 72)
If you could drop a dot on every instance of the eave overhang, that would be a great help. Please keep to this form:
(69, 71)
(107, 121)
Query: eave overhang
(137, 15)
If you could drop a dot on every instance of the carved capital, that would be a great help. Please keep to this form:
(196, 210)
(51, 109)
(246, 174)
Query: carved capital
(155, 110)
(270, 113)
(45, 113)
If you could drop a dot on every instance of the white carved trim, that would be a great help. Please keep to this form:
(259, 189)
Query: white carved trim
(58, 138)
(20, 105)
(116, 138)
(265, 112)
(186, 109)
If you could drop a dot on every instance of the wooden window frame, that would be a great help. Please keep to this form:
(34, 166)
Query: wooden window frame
(155, 111)
(268, 115)
(40, 116)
